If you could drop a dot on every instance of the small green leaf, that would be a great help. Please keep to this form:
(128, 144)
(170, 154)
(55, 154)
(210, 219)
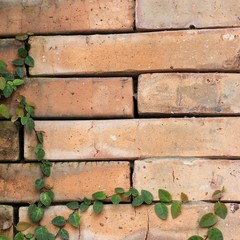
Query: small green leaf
(8, 90)
(45, 199)
(30, 110)
(63, 234)
(29, 61)
(46, 169)
(19, 236)
(116, 199)
(41, 233)
(35, 213)
(24, 120)
(29, 236)
(87, 201)
(2, 64)
(39, 184)
(18, 82)
(97, 206)
(51, 236)
(83, 207)
(4, 238)
(3, 70)
(147, 197)
(220, 210)
(164, 196)
(40, 154)
(74, 219)
(50, 194)
(22, 226)
(127, 194)
(19, 112)
(20, 72)
(134, 191)
(195, 237)
(22, 36)
(73, 205)
(161, 210)
(208, 220)
(137, 201)
(59, 221)
(27, 46)
(30, 124)
(18, 62)
(2, 83)
(119, 190)
(176, 208)
(4, 111)
(39, 136)
(22, 52)
(9, 77)
(99, 195)
(215, 234)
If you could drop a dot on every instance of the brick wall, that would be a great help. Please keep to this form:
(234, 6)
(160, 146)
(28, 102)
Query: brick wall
(138, 93)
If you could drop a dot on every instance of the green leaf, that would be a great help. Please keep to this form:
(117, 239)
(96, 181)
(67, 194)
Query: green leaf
(22, 226)
(195, 237)
(176, 208)
(147, 196)
(215, 234)
(2, 64)
(3, 70)
(116, 199)
(46, 169)
(51, 236)
(22, 52)
(27, 46)
(39, 184)
(19, 236)
(59, 221)
(39, 136)
(63, 234)
(83, 207)
(29, 61)
(220, 210)
(29, 236)
(50, 194)
(21, 36)
(119, 190)
(2, 83)
(74, 219)
(8, 90)
(41, 233)
(19, 112)
(99, 195)
(35, 213)
(134, 191)
(24, 120)
(30, 124)
(18, 62)
(30, 110)
(161, 210)
(164, 196)
(40, 154)
(18, 82)
(4, 238)
(208, 220)
(9, 77)
(73, 205)
(45, 199)
(4, 111)
(137, 201)
(97, 206)
(20, 72)
(87, 201)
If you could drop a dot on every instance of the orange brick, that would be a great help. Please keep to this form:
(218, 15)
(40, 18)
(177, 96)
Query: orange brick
(6, 221)
(195, 177)
(70, 181)
(76, 97)
(132, 139)
(187, 93)
(9, 141)
(137, 52)
(158, 14)
(69, 16)
(8, 51)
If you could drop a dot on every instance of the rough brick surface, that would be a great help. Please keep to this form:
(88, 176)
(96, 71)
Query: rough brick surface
(8, 51)
(203, 50)
(197, 178)
(187, 93)
(6, 221)
(168, 14)
(66, 16)
(9, 141)
(131, 139)
(77, 97)
(70, 181)
(124, 222)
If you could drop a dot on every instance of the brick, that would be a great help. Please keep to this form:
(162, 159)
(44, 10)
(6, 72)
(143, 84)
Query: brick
(195, 177)
(133, 139)
(8, 51)
(187, 93)
(70, 16)
(125, 222)
(136, 53)
(158, 14)
(9, 141)
(6, 221)
(77, 97)
(70, 181)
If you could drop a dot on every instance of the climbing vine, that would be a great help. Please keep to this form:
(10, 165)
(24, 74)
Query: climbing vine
(24, 113)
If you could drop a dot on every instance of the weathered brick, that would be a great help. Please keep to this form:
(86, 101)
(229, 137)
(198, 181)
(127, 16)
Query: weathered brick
(195, 177)
(69, 16)
(186, 93)
(70, 181)
(125, 222)
(9, 141)
(132, 139)
(138, 52)
(6, 221)
(164, 14)
(8, 51)
(76, 97)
